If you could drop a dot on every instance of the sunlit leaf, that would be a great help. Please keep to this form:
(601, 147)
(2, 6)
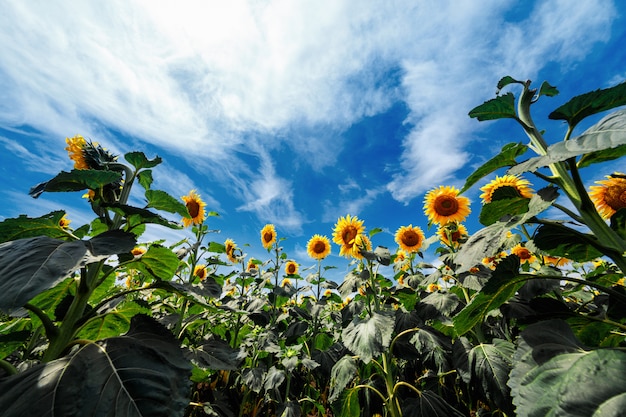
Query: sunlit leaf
(140, 161)
(496, 210)
(603, 140)
(590, 103)
(370, 336)
(341, 375)
(24, 226)
(112, 323)
(497, 108)
(547, 90)
(158, 262)
(142, 373)
(145, 178)
(553, 375)
(76, 180)
(161, 200)
(506, 158)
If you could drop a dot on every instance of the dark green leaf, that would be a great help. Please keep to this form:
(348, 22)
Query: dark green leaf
(497, 209)
(76, 180)
(370, 336)
(429, 404)
(23, 227)
(39, 263)
(503, 284)
(112, 323)
(490, 365)
(140, 374)
(158, 262)
(506, 158)
(607, 136)
(145, 178)
(12, 340)
(444, 302)
(618, 222)
(142, 215)
(506, 80)
(497, 108)
(161, 200)
(547, 90)
(140, 161)
(601, 156)
(434, 348)
(590, 103)
(559, 240)
(553, 375)
(344, 371)
(215, 354)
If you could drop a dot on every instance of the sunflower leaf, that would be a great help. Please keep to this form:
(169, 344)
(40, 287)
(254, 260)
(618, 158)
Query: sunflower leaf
(590, 103)
(548, 90)
(161, 200)
(142, 216)
(158, 262)
(496, 210)
(76, 180)
(344, 371)
(559, 240)
(140, 161)
(605, 136)
(145, 178)
(490, 365)
(370, 336)
(506, 158)
(23, 227)
(500, 107)
(506, 80)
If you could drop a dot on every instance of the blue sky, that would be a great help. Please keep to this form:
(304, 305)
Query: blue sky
(287, 112)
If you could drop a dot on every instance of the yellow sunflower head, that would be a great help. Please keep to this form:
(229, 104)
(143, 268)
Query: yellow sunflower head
(74, 149)
(64, 222)
(268, 236)
(361, 243)
(443, 205)
(452, 234)
(610, 195)
(291, 268)
(285, 283)
(318, 247)
(513, 183)
(410, 238)
(138, 251)
(345, 232)
(230, 247)
(433, 287)
(200, 271)
(195, 208)
(555, 260)
(251, 266)
(523, 254)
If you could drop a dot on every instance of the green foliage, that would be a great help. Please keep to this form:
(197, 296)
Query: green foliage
(505, 158)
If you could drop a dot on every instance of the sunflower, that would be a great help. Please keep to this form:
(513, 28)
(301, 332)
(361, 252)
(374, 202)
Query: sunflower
(200, 271)
(251, 267)
(523, 254)
(285, 283)
(195, 208)
(610, 195)
(410, 238)
(452, 233)
(138, 251)
(346, 230)
(433, 288)
(318, 247)
(268, 235)
(230, 246)
(64, 222)
(361, 243)
(291, 268)
(75, 149)
(555, 260)
(514, 183)
(401, 261)
(443, 205)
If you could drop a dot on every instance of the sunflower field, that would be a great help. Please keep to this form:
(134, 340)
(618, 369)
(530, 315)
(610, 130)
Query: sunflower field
(524, 317)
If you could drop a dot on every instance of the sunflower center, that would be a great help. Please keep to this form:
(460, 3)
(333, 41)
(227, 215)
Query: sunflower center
(291, 269)
(524, 254)
(410, 238)
(193, 208)
(615, 196)
(348, 235)
(319, 247)
(446, 205)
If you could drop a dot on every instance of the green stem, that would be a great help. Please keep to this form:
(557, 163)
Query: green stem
(392, 405)
(50, 328)
(8, 367)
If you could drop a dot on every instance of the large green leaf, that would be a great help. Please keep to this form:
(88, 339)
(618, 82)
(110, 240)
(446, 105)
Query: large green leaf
(490, 364)
(76, 180)
(24, 226)
(554, 376)
(503, 285)
(590, 103)
(112, 323)
(496, 210)
(32, 265)
(140, 374)
(506, 158)
(141, 215)
(603, 140)
(559, 240)
(370, 336)
(500, 107)
(429, 404)
(434, 348)
(341, 375)
(215, 354)
(140, 161)
(161, 200)
(158, 262)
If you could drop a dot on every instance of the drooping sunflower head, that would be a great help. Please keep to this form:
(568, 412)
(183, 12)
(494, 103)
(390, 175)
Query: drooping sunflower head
(195, 208)
(410, 238)
(345, 232)
(200, 271)
(268, 236)
(443, 205)
(252, 266)
(291, 268)
(230, 248)
(74, 149)
(509, 185)
(525, 255)
(318, 247)
(87, 154)
(610, 195)
(452, 234)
